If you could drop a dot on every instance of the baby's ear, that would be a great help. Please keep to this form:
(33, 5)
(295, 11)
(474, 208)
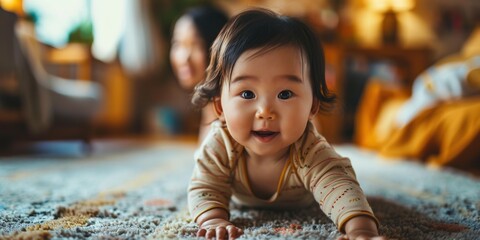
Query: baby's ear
(315, 108)
(217, 107)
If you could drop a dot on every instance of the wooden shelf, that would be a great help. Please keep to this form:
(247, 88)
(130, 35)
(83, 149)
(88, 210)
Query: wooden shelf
(411, 61)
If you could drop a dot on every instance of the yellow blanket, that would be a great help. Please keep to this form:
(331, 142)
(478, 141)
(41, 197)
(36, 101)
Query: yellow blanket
(447, 134)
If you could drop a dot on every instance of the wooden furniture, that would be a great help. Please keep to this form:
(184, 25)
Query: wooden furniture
(412, 61)
(52, 107)
(337, 125)
(71, 61)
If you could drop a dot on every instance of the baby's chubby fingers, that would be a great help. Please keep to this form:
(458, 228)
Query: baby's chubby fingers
(218, 228)
(201, 232)
(210, 234)
(221, 233)
(234, 232)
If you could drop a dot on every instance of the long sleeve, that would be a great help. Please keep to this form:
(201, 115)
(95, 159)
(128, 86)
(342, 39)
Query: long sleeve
(330, 178)
(210, 184)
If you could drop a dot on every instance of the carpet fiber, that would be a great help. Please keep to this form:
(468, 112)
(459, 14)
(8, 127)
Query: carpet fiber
(140, 193)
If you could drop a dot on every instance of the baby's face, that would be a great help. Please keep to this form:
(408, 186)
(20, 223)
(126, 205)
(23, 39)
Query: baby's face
(268, 101)
(187, 55)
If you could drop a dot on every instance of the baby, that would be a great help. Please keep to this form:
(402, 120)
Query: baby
(266, 80)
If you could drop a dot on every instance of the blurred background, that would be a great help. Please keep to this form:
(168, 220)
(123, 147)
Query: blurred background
(84, 69)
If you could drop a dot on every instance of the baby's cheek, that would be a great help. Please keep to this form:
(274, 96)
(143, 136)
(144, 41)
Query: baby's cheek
(296, 123)
(237, 121)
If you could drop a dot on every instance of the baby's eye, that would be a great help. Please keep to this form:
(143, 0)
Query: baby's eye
(247, 94)
(285, 94)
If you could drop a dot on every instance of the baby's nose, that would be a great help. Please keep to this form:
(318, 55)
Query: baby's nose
(265, 113)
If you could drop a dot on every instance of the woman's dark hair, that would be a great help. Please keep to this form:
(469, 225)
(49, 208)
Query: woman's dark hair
(208, 21)
(265, 30)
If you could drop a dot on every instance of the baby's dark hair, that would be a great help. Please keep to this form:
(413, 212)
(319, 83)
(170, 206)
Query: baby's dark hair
(265, 30)
(208, 21)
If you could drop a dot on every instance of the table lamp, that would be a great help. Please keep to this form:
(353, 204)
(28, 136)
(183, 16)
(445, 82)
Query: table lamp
(390, 21)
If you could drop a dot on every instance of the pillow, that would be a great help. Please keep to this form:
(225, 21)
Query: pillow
(448, 80)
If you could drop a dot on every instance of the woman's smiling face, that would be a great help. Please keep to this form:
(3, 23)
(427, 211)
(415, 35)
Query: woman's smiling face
(268, 100)
(187, 54)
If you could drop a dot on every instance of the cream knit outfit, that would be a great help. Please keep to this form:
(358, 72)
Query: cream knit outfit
(314, 172)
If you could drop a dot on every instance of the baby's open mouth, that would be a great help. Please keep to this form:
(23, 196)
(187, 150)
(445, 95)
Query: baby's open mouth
(265, 135)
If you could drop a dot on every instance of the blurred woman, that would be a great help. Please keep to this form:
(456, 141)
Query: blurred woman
(192, 38)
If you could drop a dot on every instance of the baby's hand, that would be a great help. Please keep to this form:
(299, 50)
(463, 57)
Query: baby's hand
(361, 228)
(362, 236)
(219, 228)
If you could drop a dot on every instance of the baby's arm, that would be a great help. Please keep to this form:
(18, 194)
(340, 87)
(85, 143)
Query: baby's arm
(214, 223)
(331, 179)
(210, 187)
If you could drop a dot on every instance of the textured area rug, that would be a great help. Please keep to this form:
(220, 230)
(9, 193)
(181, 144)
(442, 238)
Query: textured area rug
(140, 193)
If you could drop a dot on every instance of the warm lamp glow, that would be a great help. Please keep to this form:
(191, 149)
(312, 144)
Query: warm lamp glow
(15, 6)
(395, 5)
(402, 5)
(378, 5)
(413, 30)
(390, 10)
